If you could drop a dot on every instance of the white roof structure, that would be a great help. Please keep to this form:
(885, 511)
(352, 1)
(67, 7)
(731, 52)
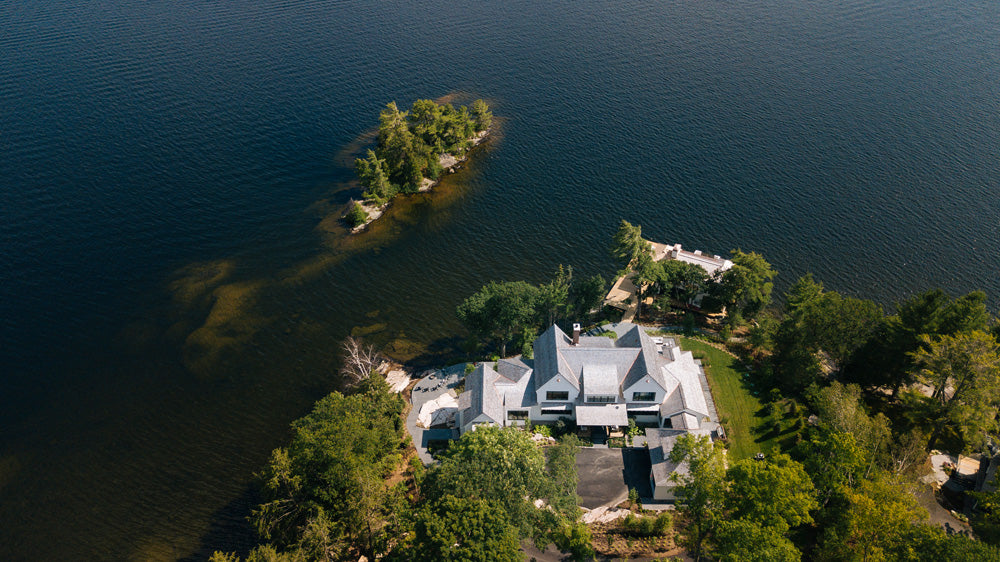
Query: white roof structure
(604, 415)
(710, 264)
(596, 366)
(684, 374)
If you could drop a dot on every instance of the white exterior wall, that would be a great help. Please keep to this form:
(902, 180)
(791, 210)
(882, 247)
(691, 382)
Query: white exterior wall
(509, 422)
(663, 492)
(481, 418)
(647, 384)
(558, 384)
(536, 414)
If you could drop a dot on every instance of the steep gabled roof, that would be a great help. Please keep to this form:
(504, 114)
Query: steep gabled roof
(516, 392)
(684, 382)
(548, 361)
(647, 364)
(514, 368)
(600, 379)
(480, 385)
(577, 358)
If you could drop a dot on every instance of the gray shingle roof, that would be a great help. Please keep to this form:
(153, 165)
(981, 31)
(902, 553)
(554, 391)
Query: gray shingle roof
(648, 363)
(576, 358)
(600, 379)
(483, 396)
(684, 385)
(514, 369)
(634, 356)
(548, 360)
(661, 442)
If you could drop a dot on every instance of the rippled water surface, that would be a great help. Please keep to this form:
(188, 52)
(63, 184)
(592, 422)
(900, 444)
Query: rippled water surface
(175, 282)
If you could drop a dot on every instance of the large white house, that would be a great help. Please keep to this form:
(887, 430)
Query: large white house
(596, 382)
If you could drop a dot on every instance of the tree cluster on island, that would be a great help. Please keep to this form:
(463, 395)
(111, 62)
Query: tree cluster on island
(410, 145)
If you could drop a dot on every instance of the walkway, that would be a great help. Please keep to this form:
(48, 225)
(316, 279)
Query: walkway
(624, 290)
(435, 383)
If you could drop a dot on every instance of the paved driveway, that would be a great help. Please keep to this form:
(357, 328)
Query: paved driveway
(605, 475)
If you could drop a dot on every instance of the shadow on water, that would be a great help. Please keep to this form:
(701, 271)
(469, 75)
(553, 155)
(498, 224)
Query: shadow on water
(230, 529)
(440, 352)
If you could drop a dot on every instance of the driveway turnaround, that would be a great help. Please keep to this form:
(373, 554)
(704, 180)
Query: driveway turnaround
(605, 475)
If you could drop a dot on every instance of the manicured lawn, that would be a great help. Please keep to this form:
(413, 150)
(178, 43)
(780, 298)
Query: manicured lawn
(737, 407)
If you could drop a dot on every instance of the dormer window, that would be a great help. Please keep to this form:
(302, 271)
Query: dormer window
(601, 399)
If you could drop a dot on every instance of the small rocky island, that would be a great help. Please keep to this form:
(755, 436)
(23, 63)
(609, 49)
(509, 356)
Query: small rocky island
(414, 149)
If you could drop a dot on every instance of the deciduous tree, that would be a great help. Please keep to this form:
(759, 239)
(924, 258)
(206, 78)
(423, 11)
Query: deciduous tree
(964, 371)
(878, 520)
(774, 493)
(746, 287)
(743, 540)
(700, 492)
(500, 311)
(462, 529)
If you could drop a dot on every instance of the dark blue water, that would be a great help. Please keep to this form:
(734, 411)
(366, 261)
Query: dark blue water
(175, 283)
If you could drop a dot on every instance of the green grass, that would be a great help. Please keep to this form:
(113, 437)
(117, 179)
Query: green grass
(736, 405)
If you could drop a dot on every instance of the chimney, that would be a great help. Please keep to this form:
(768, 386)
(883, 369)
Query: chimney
(576, 334)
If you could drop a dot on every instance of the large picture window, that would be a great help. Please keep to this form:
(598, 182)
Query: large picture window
(643, 396)
(517, 414)
(557, 395)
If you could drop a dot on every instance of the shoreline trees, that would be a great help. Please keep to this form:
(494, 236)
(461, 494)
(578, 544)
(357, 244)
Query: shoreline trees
(514, 312)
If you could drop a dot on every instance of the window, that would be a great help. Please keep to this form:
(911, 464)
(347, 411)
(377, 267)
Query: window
(601, 399)
(643, 396)
(556, 412)
(517, 414)
(557, 395)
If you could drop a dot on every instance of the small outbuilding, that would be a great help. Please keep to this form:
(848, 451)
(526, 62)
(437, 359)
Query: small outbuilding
(662, 469)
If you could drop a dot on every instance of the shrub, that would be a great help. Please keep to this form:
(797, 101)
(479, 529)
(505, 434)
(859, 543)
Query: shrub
(357, 215)
(575, 539)
(416, 468)
(689, 323)
(633, 498)
(647, 526)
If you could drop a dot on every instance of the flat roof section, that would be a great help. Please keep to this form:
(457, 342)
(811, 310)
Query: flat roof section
(606, 415)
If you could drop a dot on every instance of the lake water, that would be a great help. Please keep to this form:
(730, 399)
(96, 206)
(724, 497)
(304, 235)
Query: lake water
(175, 283)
